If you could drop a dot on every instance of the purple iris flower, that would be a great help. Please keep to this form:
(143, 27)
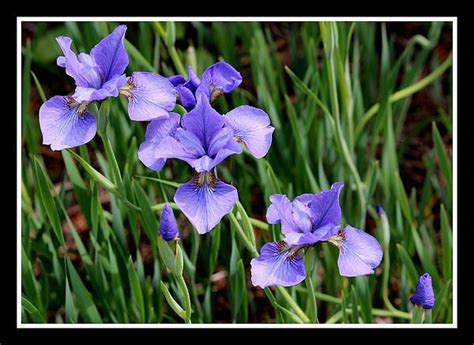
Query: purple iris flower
(100, 74)
(65, 121)
(203, 138)
(168, 226)
(424, 294)
(216, 80)
(307, 220)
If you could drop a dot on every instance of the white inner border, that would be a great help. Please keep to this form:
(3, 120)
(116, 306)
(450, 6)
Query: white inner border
(453, 20)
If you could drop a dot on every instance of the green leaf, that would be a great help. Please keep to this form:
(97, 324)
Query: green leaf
(43, 184)
(30, 286)
(94, 174)
(148, 216)
(168, 183)
(178, 261)
(137, 294)
(275, 184)
(444, 162)
(78, 184)
(364, 297)
(402, 198)
(215, 245)
(355, 305)
(245, 221)
(85, 304)
(39, 87)
(116, 284)
(71, 312)
(410, 266)
(103, 119)
(138, 57)
(166, 254)
(113, 164)
(446, 243)
(442, 299)
(170, 34)
(32, 311)
(172, 302)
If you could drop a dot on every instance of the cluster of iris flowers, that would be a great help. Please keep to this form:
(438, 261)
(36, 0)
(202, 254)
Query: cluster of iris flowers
(203, 138)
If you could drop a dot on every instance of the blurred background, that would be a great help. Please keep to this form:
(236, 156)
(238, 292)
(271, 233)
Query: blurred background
(393, 97)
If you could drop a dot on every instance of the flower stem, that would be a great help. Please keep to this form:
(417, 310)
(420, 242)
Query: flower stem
(259, 224)
(242, 235)
(377, 312)
(293, 304)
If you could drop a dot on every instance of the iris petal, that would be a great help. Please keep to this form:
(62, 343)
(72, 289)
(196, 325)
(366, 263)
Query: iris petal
(252, 127)
(150, 96)
(205, 204)
(63, 126)
(275, 266)
(155, 132)
(359, 253)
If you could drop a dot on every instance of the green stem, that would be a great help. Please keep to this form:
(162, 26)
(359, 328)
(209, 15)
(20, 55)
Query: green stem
(321, 296)
(293, 304)
(277, 306)
(428, 316)
(259, 224)
(242, 235)
(377, 312)
(159, 207)
(417, 315)
(405, 92)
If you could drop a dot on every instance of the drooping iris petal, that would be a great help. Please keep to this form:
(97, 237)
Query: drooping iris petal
(218, 79)
(110, 55)
(155, 132)
(84, 72)
(63, 126)
(252, 127)
(168, 225)
(205, 202)
(359, 252)
(150, 96)
(424, 294)
(277, 266)
(109, 89)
